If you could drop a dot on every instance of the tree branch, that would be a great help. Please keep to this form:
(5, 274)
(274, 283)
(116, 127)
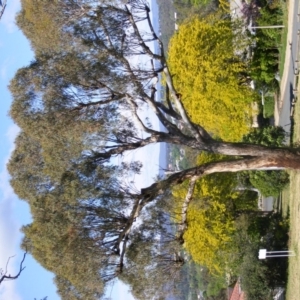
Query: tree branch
(139, 122)
(188, 198)
(251, 163)
(8, 277)
(138, 35)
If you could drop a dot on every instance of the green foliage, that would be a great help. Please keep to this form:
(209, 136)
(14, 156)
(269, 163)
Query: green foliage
(207, 74)
(267, 136)
(215, 286)
(40, 22)
(254, 277)
(264, 67)
(208, 235)
(269, 183)
(71, 220)
(246, 201)
(186, 10)
(259, 277)
(60, 246)
(265, 60)
(268, 108)
(210, 223)
(195, 2)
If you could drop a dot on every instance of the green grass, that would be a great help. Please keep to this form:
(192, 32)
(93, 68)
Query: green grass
(269, 107)
(291, 195)
(291, 207)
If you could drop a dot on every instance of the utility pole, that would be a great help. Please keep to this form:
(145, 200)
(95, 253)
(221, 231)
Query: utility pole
(264, 27)
(263, 253)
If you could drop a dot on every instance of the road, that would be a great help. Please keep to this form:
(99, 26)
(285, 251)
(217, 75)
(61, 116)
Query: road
(288, 80)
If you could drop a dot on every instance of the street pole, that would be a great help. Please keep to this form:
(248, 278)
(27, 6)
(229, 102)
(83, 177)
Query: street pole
(263, 253)
(263, 27)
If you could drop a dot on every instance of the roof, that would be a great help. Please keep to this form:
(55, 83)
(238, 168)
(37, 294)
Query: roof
(237, 293)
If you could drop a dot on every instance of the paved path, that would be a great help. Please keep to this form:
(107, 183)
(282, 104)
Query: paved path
(288, 80)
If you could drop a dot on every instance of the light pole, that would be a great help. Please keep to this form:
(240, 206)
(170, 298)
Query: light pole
(263, 253)
(264, 27)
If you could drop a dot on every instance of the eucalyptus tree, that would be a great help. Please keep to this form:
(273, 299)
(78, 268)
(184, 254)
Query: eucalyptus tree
(76, 228)
(78, 106)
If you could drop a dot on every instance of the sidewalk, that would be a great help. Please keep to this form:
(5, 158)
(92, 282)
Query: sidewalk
(283, 80)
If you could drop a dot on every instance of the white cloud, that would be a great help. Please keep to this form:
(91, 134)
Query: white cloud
(124, 291)
(3, 72)
(9, 227)
(8, 18)
(9, 236)
(11, 134)
(7, 291)
(5, 67)
(119, 291)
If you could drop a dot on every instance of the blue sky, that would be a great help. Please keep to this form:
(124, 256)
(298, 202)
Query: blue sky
(35, 282)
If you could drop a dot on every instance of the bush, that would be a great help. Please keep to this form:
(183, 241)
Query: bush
(269, 183)
(267, 136)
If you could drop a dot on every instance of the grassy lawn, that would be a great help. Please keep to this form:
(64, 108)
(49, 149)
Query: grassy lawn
(291, 195)
(269, 107)
(291, 205)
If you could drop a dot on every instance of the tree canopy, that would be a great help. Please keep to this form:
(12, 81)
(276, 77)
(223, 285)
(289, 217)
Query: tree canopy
(204, 58)
(79, 106)
(210, 216)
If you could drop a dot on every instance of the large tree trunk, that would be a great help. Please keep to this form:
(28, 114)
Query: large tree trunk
(282, 160)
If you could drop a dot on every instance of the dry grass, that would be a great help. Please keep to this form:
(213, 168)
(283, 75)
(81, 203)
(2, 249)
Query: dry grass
(291, 205)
